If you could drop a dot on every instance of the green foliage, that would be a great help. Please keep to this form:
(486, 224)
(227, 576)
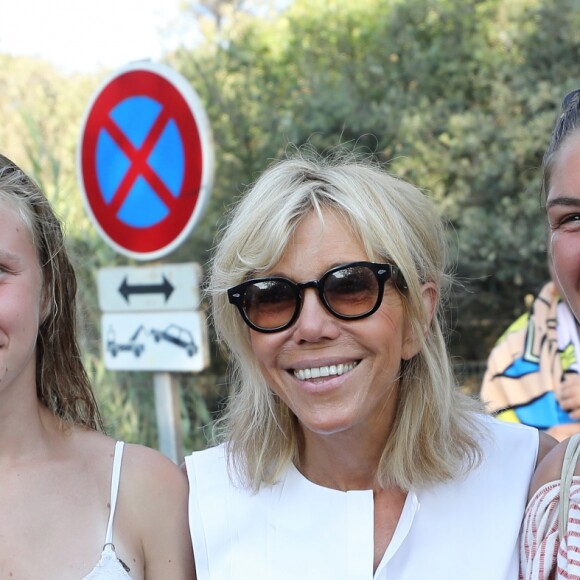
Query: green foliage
(457, 96)
(453, 94)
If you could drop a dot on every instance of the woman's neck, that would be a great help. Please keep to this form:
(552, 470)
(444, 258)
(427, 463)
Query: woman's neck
(343, 461)
(25, 426)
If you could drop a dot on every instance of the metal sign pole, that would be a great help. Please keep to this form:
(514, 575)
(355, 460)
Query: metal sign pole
(168, 416)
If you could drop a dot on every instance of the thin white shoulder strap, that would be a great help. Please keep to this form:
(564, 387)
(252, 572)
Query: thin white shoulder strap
(568, 466)
(115, 478)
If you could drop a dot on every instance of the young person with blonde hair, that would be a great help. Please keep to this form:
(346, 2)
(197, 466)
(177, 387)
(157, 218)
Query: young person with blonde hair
(74, 504)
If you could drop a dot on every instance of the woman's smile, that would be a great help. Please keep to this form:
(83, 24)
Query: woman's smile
(332, 370)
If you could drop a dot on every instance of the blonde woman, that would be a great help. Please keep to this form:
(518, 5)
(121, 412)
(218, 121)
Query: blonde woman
(348, 452)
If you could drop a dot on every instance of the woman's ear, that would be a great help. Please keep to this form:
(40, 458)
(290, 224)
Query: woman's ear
(412, 342)
(45, 301)
(430, 296)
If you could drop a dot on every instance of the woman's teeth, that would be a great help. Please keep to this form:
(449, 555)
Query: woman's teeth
(317, 372)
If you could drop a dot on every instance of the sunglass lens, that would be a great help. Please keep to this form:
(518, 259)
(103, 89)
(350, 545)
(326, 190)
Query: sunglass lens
(352, 291)
(270, 304)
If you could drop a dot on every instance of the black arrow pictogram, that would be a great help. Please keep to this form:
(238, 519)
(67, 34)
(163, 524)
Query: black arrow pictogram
(164, 287)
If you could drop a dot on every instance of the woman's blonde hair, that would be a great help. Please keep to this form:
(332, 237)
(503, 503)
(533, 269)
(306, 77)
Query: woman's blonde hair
(435, 434)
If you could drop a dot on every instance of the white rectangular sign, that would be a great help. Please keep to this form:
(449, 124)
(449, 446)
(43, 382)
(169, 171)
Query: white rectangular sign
(155, 341)
(151, 288)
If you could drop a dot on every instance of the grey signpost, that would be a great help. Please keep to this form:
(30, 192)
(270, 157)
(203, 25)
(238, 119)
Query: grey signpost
(145, 167)
(151, 321)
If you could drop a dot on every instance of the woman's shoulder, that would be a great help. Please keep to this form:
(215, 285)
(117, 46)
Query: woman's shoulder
(505, 433)
(153, 498)
(209, 463)
(151, 508)
(519, 443)
(145, 472)
(137, 459)
(550, 467)
(148, 471)
(215, 453)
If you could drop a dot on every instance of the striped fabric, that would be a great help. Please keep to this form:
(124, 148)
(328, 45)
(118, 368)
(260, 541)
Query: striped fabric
(541, 549)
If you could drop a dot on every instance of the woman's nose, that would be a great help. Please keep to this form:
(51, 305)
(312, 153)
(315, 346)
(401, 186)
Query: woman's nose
(315, 321)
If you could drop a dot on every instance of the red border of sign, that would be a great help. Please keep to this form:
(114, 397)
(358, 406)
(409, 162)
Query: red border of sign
(167, 87)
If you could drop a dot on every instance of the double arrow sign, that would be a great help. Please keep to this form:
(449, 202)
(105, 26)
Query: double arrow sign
(127, 290)
(155, 288)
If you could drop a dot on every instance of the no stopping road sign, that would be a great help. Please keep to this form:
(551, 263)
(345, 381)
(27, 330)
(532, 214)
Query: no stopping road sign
(145, 160)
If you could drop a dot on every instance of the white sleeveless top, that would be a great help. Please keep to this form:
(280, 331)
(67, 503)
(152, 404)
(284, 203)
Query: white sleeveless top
(466, 528)
(109, 567)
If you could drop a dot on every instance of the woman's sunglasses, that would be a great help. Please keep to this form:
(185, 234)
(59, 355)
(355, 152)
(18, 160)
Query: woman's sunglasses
(349, 292)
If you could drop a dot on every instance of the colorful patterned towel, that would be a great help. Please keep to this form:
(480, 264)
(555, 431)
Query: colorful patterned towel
(526, 367)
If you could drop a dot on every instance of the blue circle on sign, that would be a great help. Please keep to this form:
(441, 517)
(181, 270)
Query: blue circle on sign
(135, 117)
